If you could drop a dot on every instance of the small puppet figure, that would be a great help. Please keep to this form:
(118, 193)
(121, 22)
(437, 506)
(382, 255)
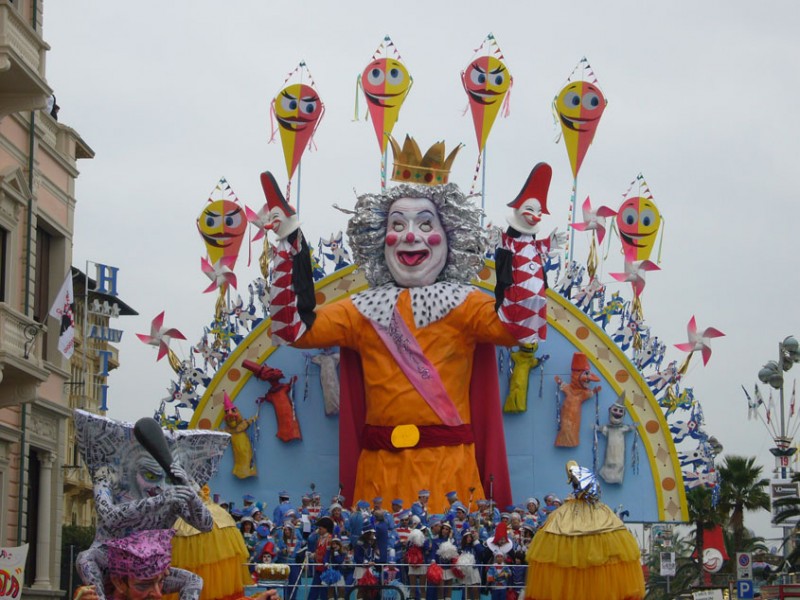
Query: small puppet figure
(613, 469)
(278, 396)
(576, 392)
(524, 360)
(236, 425)
(328, 360)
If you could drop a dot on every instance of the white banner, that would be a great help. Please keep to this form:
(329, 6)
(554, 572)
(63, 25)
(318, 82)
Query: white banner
(63, 310)
(12, 571)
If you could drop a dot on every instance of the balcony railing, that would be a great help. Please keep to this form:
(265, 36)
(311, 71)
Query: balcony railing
(22, 63)
(21, 341)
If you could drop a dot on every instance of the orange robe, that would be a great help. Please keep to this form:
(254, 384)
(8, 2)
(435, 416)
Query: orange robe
(392, 400)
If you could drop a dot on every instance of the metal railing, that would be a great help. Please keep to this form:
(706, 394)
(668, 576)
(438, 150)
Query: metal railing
(393, 582)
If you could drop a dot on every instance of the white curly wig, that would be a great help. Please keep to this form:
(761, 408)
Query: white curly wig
(466, 240)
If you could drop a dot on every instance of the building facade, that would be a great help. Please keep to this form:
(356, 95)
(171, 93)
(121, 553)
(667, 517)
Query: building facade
(38, 168)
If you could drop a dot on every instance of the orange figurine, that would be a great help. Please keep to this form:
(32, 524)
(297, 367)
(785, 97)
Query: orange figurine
(576, 392)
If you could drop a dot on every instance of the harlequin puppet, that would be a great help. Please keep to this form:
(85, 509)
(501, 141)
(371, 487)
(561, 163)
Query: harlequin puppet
(576, 392)
(422, 334)
(523, 287)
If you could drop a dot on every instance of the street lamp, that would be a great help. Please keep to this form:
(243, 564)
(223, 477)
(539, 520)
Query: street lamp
(772, 374)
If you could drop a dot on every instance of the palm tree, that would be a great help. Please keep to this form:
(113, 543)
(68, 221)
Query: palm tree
(742, 489)
(705, 515)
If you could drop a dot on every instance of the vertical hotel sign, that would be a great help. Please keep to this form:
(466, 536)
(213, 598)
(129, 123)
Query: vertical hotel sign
(106, 283)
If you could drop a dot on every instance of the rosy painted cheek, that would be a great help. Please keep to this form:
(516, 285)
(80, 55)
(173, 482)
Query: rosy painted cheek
(434, 239)
(391, 239)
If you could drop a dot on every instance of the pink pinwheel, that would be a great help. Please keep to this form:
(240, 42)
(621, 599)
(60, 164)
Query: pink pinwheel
(594, 220)
(160, 336)
(699, 341)
(260, 219)
(635, 272)
(220, 273)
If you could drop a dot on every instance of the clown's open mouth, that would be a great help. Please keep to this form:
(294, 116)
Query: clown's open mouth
(412, 259)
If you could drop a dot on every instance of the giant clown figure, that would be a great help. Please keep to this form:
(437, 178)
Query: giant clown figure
(420, 406)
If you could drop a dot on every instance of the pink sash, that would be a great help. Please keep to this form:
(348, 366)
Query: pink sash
(405, 349)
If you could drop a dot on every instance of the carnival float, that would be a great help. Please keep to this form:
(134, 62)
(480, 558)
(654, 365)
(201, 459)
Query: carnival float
(581, 376)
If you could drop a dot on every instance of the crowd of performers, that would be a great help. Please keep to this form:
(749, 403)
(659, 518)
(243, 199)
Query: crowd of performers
(475, 546)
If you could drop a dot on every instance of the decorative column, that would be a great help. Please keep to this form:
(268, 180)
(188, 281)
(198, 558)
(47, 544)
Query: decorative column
(46, 460)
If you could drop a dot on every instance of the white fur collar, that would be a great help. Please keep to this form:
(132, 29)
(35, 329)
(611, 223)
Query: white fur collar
(428, 303)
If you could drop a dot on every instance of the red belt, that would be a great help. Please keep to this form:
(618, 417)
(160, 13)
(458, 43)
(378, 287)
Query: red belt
(378, 437)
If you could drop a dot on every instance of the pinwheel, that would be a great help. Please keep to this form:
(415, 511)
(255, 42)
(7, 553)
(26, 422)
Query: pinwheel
(635, 274)
(699, 341)
(220, 273)
(594, 219)
(260, 220)
(160, 336)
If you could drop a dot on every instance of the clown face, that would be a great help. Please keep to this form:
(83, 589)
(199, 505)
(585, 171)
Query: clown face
(527, 217)
(416, 243)
(281, 223)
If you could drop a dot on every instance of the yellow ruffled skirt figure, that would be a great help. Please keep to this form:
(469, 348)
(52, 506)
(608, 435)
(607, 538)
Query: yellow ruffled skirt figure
(584, 550)
(219, 556)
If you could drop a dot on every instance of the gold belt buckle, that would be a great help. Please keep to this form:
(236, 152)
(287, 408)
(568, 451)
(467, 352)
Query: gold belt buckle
(405, 436)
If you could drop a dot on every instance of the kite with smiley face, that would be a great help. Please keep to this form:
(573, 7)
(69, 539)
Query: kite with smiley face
(579, 106)
(385, 82)
(298, 111)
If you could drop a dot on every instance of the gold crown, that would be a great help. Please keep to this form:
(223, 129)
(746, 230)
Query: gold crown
(411, 167)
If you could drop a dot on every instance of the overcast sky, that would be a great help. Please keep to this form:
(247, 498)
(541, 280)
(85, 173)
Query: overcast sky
(702, 99)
